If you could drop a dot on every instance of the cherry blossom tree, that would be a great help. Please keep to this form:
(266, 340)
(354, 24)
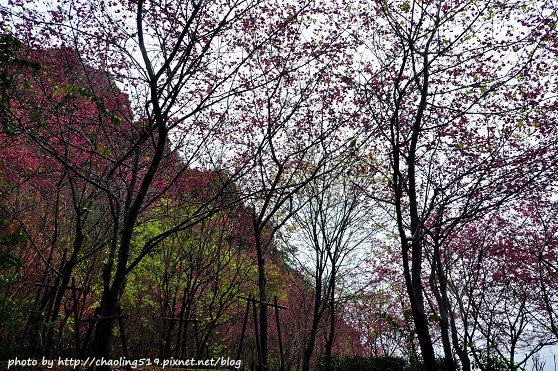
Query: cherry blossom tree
(459, 99)
(288, 131)
(172, 61)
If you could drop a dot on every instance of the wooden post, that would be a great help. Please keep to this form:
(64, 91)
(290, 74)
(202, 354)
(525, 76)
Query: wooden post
(198, 350)
(185, 320)
(262, 302)
(244, 326)
(277, 307)
(180, 348)
(119, 317)
(63, 287)
(122, 334)
(282, 364)
(258, 344)
(76, 318)
(89, 331)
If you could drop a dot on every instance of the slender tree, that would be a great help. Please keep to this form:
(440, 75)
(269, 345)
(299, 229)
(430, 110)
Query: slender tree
(331, 224)
(449, 99)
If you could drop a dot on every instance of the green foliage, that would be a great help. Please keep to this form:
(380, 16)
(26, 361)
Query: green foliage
(366, 364)
(7, 240)
(10, 308)
(77, 91)
(10, 46)
(355, 363)
(491, 360)
(419, 366)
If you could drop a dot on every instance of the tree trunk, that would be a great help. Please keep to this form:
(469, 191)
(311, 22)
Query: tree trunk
(262, 286)
(329, 341)
(314, 330)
